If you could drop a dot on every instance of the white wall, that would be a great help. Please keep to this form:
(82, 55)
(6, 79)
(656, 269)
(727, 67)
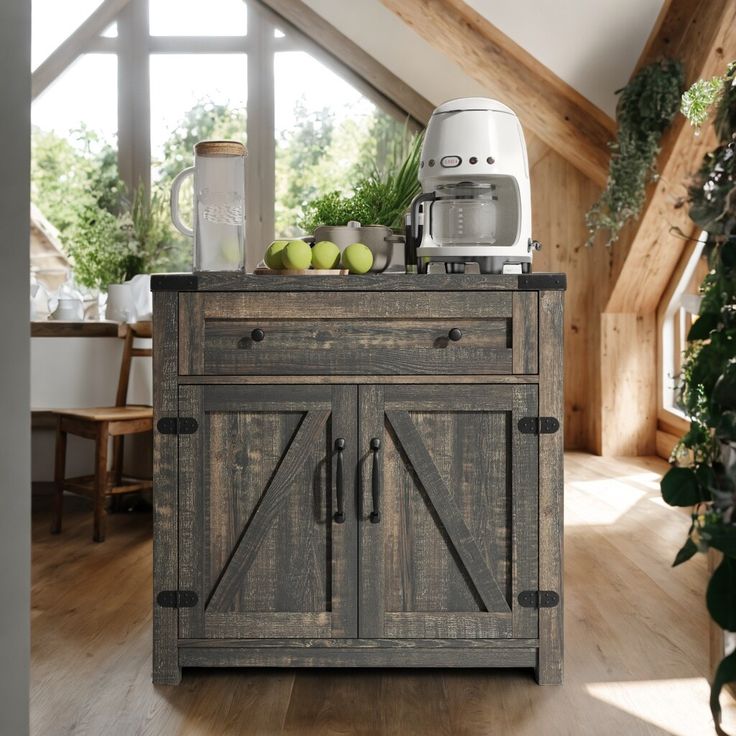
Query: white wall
(15, 496)
(76, 372)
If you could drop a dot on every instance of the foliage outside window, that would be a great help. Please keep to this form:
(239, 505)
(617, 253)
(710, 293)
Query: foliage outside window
(704, 463)
(334, 137)
(645, 109)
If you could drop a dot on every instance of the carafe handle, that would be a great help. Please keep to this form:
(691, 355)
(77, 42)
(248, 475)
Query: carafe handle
(175, 213)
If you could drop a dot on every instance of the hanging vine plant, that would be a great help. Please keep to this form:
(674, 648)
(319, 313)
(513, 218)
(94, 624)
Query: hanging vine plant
(704, 462)
(646, 107)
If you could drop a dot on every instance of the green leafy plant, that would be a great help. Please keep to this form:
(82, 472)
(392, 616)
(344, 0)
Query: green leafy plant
(377, 198)
(645, 109)
(108, 248)
(704, 462)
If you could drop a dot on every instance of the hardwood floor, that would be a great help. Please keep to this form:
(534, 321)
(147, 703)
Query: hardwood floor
(636, 641)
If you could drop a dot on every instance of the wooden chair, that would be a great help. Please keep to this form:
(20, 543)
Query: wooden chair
(100, 424)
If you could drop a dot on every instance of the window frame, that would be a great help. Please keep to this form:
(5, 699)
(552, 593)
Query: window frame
(671, 422)
(134, 46)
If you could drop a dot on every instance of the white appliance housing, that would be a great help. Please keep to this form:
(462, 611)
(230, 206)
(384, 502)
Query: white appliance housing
(475, 144)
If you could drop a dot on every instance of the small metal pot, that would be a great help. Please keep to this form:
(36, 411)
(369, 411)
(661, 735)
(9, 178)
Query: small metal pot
(381, 240)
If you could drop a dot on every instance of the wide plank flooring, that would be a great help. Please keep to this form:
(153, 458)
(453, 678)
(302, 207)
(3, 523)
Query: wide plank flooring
(636, 641)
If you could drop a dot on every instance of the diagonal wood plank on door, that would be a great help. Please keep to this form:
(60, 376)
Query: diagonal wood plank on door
(265, 512)
(449, 515)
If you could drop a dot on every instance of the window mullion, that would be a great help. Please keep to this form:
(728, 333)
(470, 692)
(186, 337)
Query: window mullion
(134, 109)
(260, 190)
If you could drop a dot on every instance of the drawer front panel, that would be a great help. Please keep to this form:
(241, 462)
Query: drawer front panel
(357, 334)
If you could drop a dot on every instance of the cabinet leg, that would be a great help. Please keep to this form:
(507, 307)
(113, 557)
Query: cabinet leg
(548, 670)
(170, 676)
(101, 484)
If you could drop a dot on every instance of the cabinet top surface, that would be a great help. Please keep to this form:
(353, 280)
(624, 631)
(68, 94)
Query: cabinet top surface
(233, 281)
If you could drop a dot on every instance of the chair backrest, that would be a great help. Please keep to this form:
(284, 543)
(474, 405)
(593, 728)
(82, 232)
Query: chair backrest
(129, 333)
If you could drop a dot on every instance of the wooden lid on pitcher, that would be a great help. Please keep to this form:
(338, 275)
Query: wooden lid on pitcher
(220, 148)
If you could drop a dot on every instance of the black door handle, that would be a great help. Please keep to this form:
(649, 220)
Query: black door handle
(375, 516)
(454, 334)
(340, 513)
(257, 335)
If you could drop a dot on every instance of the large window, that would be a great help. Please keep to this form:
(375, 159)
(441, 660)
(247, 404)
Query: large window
(163, 74)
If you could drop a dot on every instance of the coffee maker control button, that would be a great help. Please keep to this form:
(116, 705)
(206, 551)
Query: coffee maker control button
(450, 162)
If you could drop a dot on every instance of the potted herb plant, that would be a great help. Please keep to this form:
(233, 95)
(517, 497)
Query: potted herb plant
(108, 249)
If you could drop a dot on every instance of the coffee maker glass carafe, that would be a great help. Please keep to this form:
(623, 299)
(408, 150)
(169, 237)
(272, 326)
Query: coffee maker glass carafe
(464, 215)
(218, 227)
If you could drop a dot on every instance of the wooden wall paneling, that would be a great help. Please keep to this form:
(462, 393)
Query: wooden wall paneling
(556, 112)
(629, 402)
(560, 197)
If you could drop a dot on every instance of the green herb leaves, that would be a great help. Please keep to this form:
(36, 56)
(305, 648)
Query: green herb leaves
(646, 107)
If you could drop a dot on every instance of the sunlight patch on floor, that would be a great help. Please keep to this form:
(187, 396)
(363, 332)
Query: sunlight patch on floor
(618, 499)
(659, 702)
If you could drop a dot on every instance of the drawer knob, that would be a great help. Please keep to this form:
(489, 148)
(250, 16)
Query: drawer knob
(454, 334)
(257, 335)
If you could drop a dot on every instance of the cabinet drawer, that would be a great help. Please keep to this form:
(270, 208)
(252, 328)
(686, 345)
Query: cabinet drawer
(360, 333)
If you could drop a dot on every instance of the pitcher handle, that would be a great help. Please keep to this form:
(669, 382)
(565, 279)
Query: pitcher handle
(175, 213)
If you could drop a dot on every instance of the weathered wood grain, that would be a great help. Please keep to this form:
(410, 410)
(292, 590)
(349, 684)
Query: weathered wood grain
(549, 668)
(525, 509)
(447, 625)
(371, 591)
(231, 281)
(326, 643)
(193, 508)
(166, 668)
(266, 510)
(525, 332)
(449, 516)
(351, 657)
(352, 379)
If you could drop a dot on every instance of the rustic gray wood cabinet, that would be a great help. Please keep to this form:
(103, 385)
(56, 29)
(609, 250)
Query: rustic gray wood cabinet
(358, 471)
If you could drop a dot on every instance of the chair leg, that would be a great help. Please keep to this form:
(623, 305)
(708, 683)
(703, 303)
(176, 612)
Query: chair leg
(101, 483)
(59, 473)
(118, 452)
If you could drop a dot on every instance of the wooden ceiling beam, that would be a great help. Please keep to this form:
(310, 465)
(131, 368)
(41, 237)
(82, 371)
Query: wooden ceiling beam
(700, 33)
(545, 104)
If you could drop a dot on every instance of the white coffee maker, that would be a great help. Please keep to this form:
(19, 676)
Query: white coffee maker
(474, 212)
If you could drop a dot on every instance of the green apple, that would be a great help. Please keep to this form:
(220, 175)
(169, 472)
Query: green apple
(296, 255)
(325, 254)
(357, 258)
(273, 254)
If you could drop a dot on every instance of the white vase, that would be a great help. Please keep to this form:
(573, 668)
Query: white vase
(120, 303)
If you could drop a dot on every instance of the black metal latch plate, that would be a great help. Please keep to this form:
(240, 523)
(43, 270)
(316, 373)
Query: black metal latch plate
(538, 425)
(177, 425)
(538, 599)
(177, 599)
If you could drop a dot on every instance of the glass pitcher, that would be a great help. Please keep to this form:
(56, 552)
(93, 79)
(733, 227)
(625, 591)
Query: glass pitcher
(218, 228)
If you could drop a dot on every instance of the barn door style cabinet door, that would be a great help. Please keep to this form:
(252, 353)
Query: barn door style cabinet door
(397, 502)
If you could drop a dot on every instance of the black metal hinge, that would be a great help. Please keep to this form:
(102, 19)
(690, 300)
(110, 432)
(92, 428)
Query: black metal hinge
(538, 425)
(177, 425)
(538, 599)
(177, 599)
